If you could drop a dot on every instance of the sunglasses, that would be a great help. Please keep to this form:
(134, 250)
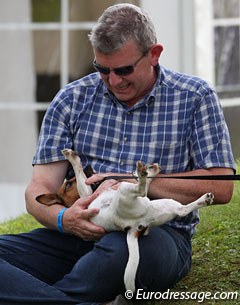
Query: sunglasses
(121, 71)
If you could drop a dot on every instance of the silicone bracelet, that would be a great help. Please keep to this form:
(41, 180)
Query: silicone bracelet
(59, 220)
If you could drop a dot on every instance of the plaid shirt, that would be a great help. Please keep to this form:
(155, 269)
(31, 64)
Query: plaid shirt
(179, 125)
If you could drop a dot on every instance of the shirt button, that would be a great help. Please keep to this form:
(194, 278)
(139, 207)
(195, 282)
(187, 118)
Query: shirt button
(122, 162)
(125, 139)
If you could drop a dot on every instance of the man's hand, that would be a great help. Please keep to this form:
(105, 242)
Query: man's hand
(76, 220)
(110, 183)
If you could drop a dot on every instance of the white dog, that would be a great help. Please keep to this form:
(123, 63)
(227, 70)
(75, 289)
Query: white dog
(129, 209)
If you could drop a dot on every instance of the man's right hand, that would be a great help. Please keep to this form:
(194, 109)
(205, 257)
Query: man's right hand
(76, 220)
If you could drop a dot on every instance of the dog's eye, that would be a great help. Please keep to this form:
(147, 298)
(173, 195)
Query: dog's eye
(68, 185)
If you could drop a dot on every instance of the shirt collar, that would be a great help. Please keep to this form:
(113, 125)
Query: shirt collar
(149, 98)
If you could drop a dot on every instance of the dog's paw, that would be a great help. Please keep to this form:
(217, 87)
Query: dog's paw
(141, 169)
(209, 198)
(69, 153)
(153, 169)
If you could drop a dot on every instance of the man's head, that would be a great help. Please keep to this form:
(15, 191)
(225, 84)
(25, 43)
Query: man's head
(119, 24)
(126, 52)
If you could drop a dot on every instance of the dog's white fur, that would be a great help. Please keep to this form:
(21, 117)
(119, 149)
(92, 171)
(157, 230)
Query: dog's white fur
(129, 209)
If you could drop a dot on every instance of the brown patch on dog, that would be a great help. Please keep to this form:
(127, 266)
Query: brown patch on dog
(66, 195)
(141, 230)
(68, 192)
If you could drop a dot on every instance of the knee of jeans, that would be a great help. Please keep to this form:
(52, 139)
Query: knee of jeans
(158, 259)
(113, 248)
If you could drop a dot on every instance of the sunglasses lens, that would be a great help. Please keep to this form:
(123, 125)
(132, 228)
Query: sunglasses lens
(101, 69)
(123, 71)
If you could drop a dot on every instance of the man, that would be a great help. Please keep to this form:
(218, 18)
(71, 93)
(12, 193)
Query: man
(130, 109)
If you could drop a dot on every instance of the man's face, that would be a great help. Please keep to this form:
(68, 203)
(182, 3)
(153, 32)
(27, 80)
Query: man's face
(128, 88)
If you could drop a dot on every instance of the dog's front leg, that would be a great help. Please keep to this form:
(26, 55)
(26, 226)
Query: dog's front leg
(84, 190)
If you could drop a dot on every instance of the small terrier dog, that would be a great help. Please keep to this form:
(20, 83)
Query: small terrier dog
(126, 209)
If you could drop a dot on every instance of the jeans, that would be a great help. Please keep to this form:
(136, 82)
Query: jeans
(47, 267)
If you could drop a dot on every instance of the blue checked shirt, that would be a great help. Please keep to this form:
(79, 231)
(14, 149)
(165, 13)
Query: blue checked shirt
(179, 125)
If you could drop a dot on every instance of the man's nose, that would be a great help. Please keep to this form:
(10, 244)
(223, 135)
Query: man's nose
(114, 79)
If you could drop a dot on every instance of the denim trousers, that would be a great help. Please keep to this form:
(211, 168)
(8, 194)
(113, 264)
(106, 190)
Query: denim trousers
(47, 267)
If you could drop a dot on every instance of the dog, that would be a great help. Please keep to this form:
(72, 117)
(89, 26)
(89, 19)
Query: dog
(125, 209)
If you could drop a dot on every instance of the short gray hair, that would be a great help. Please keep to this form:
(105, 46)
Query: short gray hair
(119, 24)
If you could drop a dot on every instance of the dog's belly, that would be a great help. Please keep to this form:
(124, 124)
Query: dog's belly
(106, 216)
(162, 210)
(117, 215)
(103, 200)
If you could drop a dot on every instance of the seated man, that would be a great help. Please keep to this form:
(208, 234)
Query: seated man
(130, 109)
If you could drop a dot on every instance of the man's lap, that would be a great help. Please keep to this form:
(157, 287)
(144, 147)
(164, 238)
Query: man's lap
(94, 272)
(46, 254)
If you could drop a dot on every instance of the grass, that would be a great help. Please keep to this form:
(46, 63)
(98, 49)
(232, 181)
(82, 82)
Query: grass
(23, 223)
(216, 253)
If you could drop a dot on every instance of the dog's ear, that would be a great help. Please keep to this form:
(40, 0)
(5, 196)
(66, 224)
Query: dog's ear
(49, 199)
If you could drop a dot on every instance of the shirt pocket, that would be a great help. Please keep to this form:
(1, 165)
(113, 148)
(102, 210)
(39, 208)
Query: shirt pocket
(172, 156)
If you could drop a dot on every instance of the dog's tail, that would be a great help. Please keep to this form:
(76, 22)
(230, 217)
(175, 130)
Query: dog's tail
(133, 260)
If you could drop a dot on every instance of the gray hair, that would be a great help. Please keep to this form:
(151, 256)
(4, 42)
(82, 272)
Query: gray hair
(119, 24)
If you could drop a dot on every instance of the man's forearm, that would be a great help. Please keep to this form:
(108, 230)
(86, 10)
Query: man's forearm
(46, 215)
(186, 191)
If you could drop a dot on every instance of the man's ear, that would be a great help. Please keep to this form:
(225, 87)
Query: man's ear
(156, 51)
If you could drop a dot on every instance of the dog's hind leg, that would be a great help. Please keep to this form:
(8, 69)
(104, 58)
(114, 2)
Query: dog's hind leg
(203, 201)
(153, 170)
(145, 174)
(83, 189)
(141, 187)
(133, 190)
(130, 204)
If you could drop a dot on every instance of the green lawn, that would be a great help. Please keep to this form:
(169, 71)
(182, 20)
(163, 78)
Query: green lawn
(216, 252)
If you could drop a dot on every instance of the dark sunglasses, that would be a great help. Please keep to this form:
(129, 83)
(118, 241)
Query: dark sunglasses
(121, 71)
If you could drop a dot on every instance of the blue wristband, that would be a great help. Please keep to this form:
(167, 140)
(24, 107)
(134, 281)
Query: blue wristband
(59, 220)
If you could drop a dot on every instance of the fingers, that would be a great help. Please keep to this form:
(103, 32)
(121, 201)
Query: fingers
(95, 178)
(107, 185)
(89, 231)
(85, 202)
(77, 220)
(89, 213)
(98, 178)
(81, 226)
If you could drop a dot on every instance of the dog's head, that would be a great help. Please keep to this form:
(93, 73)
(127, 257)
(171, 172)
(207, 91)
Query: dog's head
(66, 195)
